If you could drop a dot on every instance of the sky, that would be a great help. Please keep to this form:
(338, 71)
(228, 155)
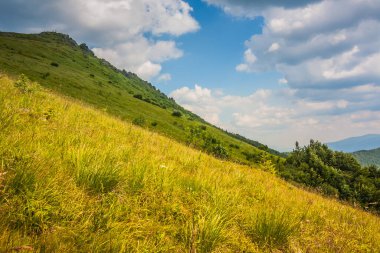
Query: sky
(275, 71)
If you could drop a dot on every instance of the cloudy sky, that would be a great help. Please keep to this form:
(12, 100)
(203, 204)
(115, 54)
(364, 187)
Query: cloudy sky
(276, 71)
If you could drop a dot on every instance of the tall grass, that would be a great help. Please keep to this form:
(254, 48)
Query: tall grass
(81, 181)
(205, 232)
(273, 228)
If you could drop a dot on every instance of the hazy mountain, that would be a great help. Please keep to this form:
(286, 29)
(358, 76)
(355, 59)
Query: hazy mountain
(365, 142)
(368, 157)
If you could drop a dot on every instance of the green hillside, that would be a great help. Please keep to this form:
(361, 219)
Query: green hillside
(368, 157)
(58, 63)
(75, 179)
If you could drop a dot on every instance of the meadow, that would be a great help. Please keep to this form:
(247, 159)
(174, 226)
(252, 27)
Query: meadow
(58, 63)
(74, 178)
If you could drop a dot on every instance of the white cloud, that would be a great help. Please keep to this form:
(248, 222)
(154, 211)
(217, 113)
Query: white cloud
(279, 117)
(147, 70)
(164, 77)
(124, 32)
(140, 55)
(242, 67)
(317, 44)
(329, 55)
(274, 47)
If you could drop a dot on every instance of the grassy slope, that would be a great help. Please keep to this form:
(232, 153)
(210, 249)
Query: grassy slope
(74, 179)
(368, 157)
(107, 89)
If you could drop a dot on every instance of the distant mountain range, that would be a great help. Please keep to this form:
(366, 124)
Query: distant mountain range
(365, 142)
(368, 157)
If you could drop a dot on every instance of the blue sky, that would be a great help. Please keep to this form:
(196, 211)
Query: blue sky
(274, 71)
(210, 54)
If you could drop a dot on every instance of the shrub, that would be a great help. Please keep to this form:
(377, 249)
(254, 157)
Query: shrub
(92, 75)
(177, 114)
(154, 123)
(25, 85)
(139, 121)
(234, 146)
(54, 64)
(138, 96)
(219, 151)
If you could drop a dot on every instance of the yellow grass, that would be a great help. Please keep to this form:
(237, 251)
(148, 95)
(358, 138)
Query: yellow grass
(74, 179)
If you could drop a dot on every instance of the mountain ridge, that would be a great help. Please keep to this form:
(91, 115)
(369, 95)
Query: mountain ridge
(57, 62)
(368, 157)
(357, 143)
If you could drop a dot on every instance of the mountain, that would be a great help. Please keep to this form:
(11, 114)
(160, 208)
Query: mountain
(58, 63)
(365, 142)
(368, 157)
(74, 178)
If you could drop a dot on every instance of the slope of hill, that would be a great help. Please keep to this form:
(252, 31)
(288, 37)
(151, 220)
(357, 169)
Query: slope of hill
(368, 157)
(58, 63)
(74, 179)
(366, 142)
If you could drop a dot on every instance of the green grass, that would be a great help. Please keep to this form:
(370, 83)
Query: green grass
(58, 63)
(143, 192)
(274, 228)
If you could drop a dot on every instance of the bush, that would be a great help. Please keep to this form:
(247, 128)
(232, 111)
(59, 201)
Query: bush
(54, 64)
(138, 96)
(154, 123)
(25, 85)
(234, 146)
(219, 151)
(140, 121)
(177, 114)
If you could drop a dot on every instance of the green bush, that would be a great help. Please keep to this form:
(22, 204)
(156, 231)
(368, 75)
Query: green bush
(139, 121)
(25, 85)
(177, 114)
(219, 151)
(54, 64)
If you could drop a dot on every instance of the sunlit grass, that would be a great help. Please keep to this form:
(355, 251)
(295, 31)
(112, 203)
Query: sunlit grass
(82, 181)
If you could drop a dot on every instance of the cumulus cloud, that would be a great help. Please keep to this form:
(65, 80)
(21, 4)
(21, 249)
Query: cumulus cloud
(252, 9)
(328, 53)
(279, 117)
(140, 55)
(114, 27)
(164, 77)
(314, 44)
